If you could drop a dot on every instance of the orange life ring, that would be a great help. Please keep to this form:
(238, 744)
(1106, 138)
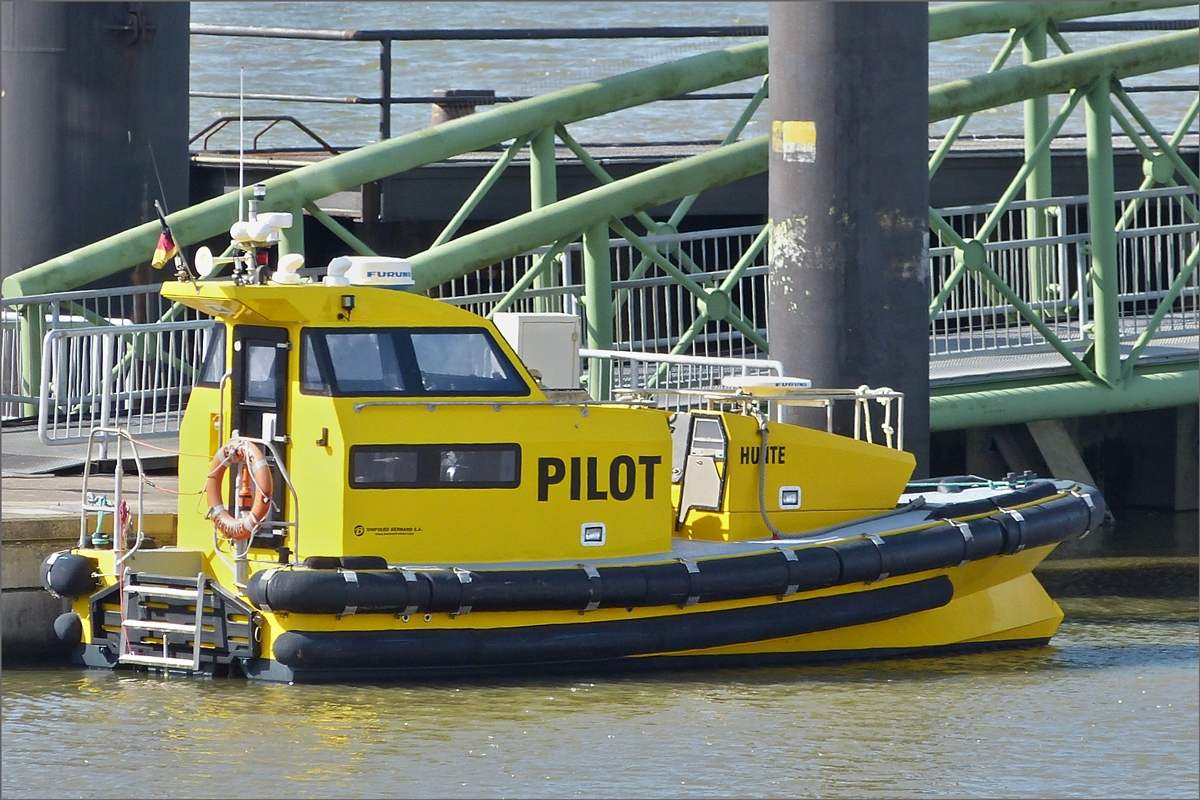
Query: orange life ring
(257, 474)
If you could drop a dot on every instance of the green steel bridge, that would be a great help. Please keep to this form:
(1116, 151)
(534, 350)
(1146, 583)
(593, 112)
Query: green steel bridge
(1040, 308)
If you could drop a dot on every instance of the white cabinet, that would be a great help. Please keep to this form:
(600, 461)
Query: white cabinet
(548, 343)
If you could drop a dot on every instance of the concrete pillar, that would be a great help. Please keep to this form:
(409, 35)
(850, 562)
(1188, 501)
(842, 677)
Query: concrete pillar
(88, 89)
(848, 202)
(982, 457)
(1059, 451)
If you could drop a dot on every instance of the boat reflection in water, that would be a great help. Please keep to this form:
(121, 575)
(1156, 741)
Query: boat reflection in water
(1118, 691)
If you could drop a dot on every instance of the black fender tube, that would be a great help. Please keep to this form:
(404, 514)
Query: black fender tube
(1031, 493)
(987, 538)
(362, 562)
(325, 591)
(1045, 524)
(1026, 494)
(1097, 508)
(67, 574)
(1013, 524)
(649, 585)
(931, 548)
(788, 570)
(412, 649)
(815, 568)
(862, 560)
(968, 508)
(530, 590)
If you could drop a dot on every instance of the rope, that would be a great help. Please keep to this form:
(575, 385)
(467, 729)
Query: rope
(144, 443)
(762, 482)
(976, 483)
(175, 492)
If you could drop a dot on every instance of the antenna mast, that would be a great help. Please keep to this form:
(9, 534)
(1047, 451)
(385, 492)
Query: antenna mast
(241, 142)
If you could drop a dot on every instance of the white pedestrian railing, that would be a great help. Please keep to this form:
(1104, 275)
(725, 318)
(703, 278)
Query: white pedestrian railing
(26, 320)
(651, 310)
(135, 377)
(103, 364)
(671, 380)
(1051, 273)
(10, 366)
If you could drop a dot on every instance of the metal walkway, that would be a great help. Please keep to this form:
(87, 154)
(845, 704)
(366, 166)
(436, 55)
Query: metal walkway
(23, 453)
(979, 370)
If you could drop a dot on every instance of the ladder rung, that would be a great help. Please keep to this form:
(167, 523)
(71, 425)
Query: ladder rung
(158, 661)
(151, 625)
(161, 591)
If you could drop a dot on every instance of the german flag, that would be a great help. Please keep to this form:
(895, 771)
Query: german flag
(166, 249)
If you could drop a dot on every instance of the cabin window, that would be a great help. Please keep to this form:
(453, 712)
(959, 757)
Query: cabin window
(312, 380)
(451, 363)
(383, 466)
(389, 362)
(435, 466)
(213, 367)
(261, 380)
(364, 363)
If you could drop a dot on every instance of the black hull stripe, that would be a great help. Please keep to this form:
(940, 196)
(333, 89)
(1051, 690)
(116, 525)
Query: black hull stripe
(268, 670)
(582, 642)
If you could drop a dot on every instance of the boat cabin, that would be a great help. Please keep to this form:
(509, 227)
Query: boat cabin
(404, 428)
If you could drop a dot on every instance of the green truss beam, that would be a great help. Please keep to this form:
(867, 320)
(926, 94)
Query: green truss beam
(968, 19)
(1063, 73)
(381, 159)
(986, 407)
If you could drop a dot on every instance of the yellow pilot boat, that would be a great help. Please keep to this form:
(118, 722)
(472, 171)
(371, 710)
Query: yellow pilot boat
(389, 492)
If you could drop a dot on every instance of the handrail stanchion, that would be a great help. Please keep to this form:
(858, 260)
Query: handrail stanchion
(385, 88)
(106, 393)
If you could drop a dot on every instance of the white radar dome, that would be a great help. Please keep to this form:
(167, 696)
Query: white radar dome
(765, 385)
(379, 271)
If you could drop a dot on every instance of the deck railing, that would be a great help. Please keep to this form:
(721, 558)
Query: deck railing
(98, 357)
(1052, 274)
(655, 317)
(652, 310)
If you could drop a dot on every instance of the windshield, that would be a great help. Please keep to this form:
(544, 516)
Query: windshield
(372, 362)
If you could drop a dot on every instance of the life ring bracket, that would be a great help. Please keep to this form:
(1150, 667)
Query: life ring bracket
(257, 485)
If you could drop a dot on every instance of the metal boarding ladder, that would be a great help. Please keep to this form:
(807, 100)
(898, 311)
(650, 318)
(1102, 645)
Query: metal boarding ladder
(166, 659)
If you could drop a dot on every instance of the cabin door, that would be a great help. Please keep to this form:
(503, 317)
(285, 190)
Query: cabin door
(260, 392)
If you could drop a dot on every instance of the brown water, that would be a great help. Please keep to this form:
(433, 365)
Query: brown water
(521, 68)
(1111, 709)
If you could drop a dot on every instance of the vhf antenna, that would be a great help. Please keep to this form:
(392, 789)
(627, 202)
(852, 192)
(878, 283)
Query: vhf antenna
(241, 142)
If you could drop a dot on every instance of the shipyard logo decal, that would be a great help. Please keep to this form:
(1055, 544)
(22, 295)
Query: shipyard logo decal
(620, 479)
(388, 530)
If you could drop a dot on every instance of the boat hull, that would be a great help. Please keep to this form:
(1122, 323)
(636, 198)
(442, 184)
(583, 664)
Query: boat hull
(931, 580)
(980, 606)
